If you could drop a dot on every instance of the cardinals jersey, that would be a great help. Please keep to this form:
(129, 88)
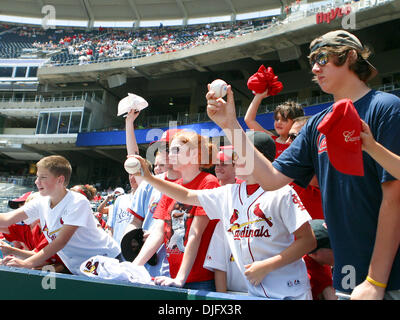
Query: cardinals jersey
(74, 209)
(219, 257)
(260, 226)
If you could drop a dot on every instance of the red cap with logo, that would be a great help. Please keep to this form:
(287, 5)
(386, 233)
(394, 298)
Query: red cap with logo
(342, 128)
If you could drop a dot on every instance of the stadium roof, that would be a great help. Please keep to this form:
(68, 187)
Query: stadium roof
(136, 10)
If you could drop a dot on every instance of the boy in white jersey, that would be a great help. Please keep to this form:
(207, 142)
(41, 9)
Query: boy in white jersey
(261, 228)
(66, 218)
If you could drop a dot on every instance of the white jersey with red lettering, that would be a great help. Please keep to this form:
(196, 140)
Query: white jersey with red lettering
(260, 226)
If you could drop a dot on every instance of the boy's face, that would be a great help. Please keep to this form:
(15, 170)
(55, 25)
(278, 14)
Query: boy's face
(46, 182)
(161, 162)
(282, 125)
(330, 77)
(181, 154)
(294, 131)
(225, 171)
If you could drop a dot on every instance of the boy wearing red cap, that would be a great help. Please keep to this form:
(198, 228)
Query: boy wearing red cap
(361, 212)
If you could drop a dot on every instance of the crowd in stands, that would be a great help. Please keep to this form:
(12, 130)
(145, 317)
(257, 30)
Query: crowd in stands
(75, 46)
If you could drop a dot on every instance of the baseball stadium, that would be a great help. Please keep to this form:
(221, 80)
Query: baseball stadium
(65, 66)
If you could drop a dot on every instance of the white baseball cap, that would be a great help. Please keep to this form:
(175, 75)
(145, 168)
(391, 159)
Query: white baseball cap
(119, 190)
(132, 101)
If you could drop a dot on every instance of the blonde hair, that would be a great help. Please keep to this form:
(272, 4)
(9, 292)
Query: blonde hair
(207, 150)
(58, 166)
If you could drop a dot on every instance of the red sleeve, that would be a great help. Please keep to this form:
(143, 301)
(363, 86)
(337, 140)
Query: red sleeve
(320, 276)
(18, 232)
(162, 207)
(210, 182)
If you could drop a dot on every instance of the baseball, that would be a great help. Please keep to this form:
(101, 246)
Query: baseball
(219, 87)
(132, 165)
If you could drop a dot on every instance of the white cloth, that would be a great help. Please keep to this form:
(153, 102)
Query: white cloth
(100, 267)
(258, 227)
(74, 209)
(132, 101)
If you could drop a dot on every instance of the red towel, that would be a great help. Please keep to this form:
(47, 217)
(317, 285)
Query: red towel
(265, 79)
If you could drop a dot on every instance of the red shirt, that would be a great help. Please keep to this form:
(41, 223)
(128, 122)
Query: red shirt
(280, 147)
(178, 218)
(311, 198)
(20, 232)
(320, 276)
(34, 239)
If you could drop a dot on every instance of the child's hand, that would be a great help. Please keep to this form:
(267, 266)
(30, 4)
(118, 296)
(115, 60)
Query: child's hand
(145, 172)
(132, 115)
(367, 138)
(257, 271)
(262, 95)
(11, 261)
(167, 281)
(6, 248)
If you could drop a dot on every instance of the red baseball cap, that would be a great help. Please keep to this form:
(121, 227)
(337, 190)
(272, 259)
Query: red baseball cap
(13, 204)
(342, 128)
(226, 154)
(166, 137)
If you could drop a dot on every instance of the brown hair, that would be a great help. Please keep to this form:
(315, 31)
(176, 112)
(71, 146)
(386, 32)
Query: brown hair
(87, 190)
(301, 119)
(289, 110)
(341, 53)
(58, 166)
(207, 150)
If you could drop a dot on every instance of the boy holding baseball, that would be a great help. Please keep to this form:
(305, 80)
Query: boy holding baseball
(261, 228)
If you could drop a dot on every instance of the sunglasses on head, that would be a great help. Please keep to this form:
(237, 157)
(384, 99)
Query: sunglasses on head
(293, 136)
(321, 58)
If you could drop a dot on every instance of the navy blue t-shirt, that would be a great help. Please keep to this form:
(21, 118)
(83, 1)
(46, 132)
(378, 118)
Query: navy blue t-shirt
(351, 203)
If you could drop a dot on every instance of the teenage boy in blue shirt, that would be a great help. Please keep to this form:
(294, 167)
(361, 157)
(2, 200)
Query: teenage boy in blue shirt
(361, 212)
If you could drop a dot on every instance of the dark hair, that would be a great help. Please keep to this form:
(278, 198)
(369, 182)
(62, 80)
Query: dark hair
(289, 110)
(88, 190)
(359, 65)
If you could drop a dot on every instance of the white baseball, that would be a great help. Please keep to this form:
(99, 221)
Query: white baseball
(219, 87)
(132, 165)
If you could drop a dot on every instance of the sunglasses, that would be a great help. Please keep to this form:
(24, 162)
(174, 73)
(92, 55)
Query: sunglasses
(175, 150)
(293, 136)
(321, 58)
(163, 148)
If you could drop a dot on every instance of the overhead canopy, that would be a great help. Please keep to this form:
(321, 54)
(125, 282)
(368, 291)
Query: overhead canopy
(136, 10)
